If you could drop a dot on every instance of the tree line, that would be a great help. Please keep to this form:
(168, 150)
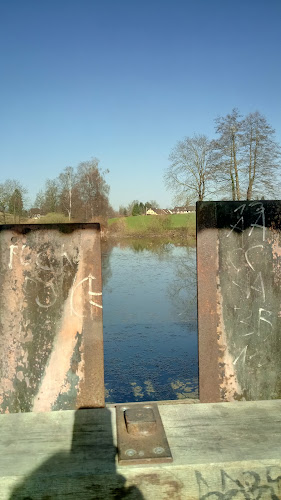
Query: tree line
(80, 193)
(243, 162)
(12, 199)
(136, 207)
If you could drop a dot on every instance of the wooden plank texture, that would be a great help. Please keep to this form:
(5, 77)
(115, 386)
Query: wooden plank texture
(220, 451)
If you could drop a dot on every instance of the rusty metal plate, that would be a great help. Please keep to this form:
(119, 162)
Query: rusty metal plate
(51, 342)
(239, 297)
(141, 438)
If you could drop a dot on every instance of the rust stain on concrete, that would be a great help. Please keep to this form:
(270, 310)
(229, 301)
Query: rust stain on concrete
(207, 315)
(153, 485)
(54, 378)
(51, 314)
(229, 386)
(274, 241)
(241, 267)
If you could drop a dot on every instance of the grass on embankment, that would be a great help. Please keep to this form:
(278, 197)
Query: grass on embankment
(154, 225)
(164, 226)
(51, 218)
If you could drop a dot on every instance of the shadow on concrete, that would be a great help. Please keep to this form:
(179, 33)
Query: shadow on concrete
(88, 471)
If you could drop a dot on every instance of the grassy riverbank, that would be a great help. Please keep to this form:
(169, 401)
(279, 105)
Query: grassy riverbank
(174, 225)
(51, 218)
(165, 227)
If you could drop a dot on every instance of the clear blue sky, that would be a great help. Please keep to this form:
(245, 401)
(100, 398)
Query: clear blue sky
(124, 80)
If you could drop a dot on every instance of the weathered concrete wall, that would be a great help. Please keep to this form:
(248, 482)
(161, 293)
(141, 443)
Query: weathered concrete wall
(51, 355)
(239, 300)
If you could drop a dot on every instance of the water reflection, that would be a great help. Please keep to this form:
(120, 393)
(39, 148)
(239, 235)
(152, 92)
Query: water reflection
(183, 291)
(150, 327)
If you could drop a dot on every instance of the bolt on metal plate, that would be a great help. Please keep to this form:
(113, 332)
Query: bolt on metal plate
(141, 438)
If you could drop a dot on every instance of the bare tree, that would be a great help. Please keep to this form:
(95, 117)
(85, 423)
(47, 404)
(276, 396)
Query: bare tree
(12, 195)
(48, 199)
(40, 201)
(66, 181)
(189, 172)
(131, 206)
(82, 194)
(16, 204)
(122, 211)
(247, 157)
(261, 156)
(51, 204)
(5, 195)
(227, 156)
(151, 204)
(93, 189)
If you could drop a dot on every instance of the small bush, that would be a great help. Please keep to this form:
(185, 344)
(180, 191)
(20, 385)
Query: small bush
(117, 226)
(141, 225)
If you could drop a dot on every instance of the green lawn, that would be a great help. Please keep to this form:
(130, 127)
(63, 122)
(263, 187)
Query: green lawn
(184, 224)
(51, 218)
(183, 220)
(154, 223)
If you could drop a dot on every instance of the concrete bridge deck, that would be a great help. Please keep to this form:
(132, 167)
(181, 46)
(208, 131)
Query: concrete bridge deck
(220, 451)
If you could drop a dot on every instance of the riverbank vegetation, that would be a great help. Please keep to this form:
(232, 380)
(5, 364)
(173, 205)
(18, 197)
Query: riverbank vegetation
(176, 228)
(243, 162)
(77, 194)
(173, 226)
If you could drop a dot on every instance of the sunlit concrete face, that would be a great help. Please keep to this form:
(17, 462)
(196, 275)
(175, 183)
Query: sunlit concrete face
(51, 355)
(239, 297)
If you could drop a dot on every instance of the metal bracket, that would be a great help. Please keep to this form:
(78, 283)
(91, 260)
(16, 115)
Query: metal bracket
(141, 437)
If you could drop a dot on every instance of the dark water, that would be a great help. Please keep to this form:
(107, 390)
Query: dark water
(150, 324)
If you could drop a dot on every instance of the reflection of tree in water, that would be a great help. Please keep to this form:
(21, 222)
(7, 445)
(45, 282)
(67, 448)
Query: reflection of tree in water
(183, 289)
(106, 249)
(87, 471)
(160, 247)
(163, 361)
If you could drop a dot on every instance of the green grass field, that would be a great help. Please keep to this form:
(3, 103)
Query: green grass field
(154, 224)
(175, 225)
(51, 218)
(8, 219)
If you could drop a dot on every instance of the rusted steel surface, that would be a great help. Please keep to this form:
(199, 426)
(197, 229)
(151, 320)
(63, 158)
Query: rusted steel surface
(239, 300)
(207, 319)
(140, 421)
(51, 355)
(141, 438)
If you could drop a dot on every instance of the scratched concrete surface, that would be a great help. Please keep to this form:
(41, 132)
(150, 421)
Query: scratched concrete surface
(243, 320)
(51, 355)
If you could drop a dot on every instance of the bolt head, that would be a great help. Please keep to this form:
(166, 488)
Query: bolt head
(130, 452)
(158, 450)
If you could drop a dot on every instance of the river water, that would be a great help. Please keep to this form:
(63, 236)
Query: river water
(149, 321)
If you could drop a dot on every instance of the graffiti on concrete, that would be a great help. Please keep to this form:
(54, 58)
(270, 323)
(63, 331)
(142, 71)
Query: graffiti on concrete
(243, 239)
(50, 304)
(248, 485)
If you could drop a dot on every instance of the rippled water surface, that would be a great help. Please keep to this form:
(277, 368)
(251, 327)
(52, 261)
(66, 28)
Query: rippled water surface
(149, 319)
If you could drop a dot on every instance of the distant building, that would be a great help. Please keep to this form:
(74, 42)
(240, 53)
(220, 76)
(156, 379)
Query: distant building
(167, 211)
(158, 211)
(184, 210)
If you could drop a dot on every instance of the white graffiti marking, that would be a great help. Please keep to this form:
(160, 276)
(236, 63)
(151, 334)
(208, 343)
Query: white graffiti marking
(12, 253)
(244, 352)
(247, 257)
(90, 279)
